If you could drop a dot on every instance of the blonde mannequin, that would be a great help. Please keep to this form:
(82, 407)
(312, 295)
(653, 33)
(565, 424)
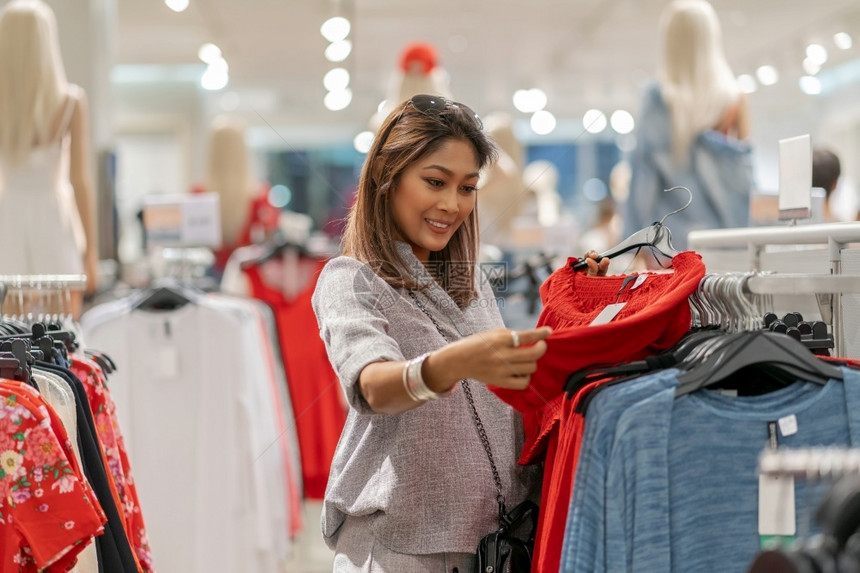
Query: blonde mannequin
(228, 173)
(46, 199)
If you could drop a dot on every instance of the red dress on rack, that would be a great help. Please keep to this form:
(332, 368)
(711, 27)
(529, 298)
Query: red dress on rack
(319, 409)
(655, 316)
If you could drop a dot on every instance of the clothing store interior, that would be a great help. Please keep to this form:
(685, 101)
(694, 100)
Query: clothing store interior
(311, 286)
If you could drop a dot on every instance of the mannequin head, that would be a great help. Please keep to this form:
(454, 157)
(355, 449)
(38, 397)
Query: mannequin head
(418, 72)
(695, 78)
(229, 174)
(32, 77)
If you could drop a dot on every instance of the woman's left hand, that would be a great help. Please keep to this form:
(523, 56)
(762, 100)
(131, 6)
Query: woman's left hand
(595, 268)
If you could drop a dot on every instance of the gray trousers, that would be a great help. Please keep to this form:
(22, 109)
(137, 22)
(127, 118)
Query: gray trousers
(357, 551)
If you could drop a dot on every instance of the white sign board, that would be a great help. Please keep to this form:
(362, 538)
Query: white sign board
(795, 177)
(192, 220)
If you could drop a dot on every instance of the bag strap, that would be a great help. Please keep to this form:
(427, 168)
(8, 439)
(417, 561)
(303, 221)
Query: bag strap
(479, 426)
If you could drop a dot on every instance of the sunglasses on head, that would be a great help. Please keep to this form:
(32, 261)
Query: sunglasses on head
(435, 105)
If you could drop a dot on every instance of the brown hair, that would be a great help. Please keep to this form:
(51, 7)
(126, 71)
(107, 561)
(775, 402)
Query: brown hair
(406, 136)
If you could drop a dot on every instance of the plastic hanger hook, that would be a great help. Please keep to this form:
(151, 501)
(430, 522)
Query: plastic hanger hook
(689, 201)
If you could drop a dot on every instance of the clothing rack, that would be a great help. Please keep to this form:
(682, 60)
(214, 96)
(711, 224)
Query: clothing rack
(828, 287)
(34, 294)
(810, 463)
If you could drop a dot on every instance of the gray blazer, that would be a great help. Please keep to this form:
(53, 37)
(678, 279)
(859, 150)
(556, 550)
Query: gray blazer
(422, 475)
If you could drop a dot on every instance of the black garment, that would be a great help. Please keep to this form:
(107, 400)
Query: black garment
(114, 550)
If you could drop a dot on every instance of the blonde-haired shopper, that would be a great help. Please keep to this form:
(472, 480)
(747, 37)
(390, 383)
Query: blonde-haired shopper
(46, 193)
(692, 131)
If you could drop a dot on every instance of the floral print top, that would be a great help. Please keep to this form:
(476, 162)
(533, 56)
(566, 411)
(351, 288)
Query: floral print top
(48, 512)
(113, 444)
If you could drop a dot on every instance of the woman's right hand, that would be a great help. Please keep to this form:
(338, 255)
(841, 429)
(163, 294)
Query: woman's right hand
(490, 357)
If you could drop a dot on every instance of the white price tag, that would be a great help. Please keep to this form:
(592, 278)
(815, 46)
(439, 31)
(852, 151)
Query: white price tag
(608, 313)
(192, 220)
(776, 506)
(168, 363)
(788, 426)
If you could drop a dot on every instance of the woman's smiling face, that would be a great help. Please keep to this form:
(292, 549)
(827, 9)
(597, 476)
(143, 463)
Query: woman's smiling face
(435, 195)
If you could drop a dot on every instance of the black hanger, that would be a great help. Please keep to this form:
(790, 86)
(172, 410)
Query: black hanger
(276, 245)
(105, 363)
(166, 295)
(666, 359)
(656, 237)
(777, 355)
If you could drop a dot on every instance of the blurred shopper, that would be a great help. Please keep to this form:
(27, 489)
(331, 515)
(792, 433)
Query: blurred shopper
(826, 170)
(692, 130)
(47, 221)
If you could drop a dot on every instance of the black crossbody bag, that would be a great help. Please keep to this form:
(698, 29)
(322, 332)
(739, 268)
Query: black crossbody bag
(501, 551)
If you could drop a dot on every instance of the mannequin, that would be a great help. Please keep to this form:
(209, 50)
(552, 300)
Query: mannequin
(47, 218)
(246, 214)
(418, 72)
(502, 194)
(541, 177)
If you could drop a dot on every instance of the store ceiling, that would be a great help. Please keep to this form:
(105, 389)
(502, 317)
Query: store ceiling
(582, 53)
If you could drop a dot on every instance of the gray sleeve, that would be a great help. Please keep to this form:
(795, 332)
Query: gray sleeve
(350, 303)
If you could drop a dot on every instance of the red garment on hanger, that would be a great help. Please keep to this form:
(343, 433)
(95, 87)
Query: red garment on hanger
(113, 447)
(48, 512)
(315, 393)
(655, 317)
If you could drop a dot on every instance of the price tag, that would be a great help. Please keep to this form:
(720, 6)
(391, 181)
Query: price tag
(192, 220)
(776, 514)
(168, 363)
(608, 313)
(788, 426)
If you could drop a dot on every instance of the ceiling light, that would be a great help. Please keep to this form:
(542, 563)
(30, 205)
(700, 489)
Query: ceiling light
(363, 141)
(215, 78)
(843, 41)
(338, 100)
(767, 75)
(209, 53)
(543, 122)
(335, 29)
(336, 79)
(177, 5)
(381, 107)
(810, 85)
(817, 53)
(530, 101)
(594, 121)
(811, 67)
(338, 51)
(747, 83)
(621, 121)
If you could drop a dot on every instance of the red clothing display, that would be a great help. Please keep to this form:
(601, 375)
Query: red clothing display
(656, 315)
(115, 454)
(48, 513)
(319, 409)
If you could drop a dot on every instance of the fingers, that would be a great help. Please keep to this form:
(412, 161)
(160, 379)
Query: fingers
(533, 335)
(597, 265)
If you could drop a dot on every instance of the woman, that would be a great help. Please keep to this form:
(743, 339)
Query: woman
(46, 195)
(411, 329)
(691, 132)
